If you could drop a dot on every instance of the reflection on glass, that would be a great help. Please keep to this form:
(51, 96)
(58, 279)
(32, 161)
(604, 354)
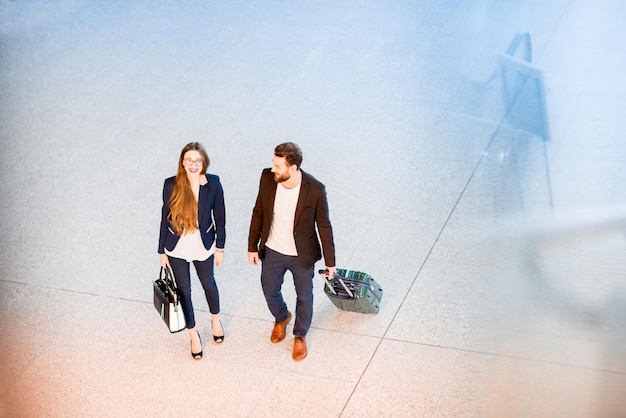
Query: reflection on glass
(522, 88)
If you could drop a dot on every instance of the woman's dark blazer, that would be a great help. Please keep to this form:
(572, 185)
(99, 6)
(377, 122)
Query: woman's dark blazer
(211, 215)
(311, 211)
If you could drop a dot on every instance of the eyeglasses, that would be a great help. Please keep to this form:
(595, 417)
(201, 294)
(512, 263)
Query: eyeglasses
(189, 162)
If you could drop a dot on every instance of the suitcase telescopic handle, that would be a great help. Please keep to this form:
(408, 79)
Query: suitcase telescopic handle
(324, 274)
(331, 289)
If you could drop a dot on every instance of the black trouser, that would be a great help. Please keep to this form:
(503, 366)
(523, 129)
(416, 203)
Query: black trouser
(180, 268)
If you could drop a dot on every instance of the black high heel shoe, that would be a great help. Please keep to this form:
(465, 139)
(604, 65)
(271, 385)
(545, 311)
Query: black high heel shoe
(197, 356)
(219, 338)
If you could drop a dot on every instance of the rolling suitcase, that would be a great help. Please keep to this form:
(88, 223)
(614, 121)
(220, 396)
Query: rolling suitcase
(353, 291)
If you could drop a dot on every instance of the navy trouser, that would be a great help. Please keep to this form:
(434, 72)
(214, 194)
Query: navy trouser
(180, 268)
(273, 269)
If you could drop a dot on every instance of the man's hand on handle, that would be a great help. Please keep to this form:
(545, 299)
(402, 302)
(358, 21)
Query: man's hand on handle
(331, 272)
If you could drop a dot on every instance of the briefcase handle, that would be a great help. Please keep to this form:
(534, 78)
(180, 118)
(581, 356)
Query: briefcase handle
(324, 274)
(170, 283)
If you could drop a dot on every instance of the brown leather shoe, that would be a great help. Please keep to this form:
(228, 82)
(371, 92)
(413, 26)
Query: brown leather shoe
(280, 329)
(299, 348)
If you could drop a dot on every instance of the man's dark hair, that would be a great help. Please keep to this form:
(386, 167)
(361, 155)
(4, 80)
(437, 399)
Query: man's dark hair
(291, 152)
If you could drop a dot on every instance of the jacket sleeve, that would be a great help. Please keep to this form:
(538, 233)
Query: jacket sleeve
(219, 216)
(256, 223)
(324, 228)
(165, 211)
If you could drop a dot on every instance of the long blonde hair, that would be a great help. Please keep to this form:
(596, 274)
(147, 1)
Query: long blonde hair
(183, 214)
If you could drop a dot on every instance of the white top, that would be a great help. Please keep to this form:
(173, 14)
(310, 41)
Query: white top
(191, 248)
(281, 231)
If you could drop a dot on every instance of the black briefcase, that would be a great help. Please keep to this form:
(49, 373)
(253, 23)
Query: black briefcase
(353, 291)
(167, 301)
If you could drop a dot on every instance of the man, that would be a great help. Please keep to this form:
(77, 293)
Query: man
(289, 205)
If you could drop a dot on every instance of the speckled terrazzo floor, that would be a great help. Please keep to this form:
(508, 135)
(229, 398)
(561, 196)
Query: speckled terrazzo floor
(485, 193)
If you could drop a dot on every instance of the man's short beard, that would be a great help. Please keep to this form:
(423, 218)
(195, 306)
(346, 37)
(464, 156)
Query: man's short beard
(281, 178)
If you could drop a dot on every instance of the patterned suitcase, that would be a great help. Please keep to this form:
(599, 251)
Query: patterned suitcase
(353, 291)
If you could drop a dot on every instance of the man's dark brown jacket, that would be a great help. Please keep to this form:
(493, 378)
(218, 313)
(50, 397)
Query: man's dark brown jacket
(311, 211)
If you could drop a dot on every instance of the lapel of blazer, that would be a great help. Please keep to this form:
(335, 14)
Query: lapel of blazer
(304, 191)
(203, 196)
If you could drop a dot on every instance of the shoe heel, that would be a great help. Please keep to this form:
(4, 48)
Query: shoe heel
(219, 338)
(197, 356)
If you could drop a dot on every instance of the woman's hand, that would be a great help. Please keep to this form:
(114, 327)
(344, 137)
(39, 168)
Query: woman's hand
(219, 257)
(165, 262)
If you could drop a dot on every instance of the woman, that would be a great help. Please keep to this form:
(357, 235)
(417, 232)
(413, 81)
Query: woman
(193, 229)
